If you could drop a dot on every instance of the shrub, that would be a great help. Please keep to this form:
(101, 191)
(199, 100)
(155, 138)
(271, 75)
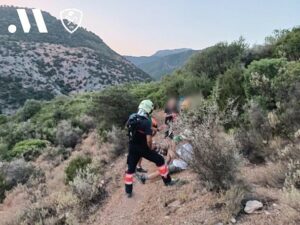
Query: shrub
(286, 88)
(28, 149)
(215, 60)
(87, 186)
(215, 158)
(30, 108)
(258, 80)
(230, 86)
(15, 172)
(3, 187)
(288, 44)
(291, 191)
(66, 135)
(292, 179)
(86, 123)
(113, 107)
(119, 140)
(3, 119)
(273, 175)
(3, 150)
(254, 135)
(79, 163)
(234, 198)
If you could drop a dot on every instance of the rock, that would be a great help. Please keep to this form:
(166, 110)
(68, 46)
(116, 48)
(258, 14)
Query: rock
(219, 224)
(176, 203)
(297, 134)
(267, 213)
(252, 206)
(233, 220)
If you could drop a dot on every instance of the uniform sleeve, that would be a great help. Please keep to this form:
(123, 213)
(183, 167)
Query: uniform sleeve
(148, 130)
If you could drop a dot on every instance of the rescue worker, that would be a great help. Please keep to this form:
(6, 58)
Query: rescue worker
(155, 129)
(140, 145)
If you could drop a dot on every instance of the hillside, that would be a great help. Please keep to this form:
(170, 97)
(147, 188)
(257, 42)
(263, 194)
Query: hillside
(62, 161)
(162, 62)
(41, 66)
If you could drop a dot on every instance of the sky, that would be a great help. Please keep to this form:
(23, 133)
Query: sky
(141, 27)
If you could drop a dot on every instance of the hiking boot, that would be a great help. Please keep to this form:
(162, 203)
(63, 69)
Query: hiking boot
(141, 178)
(129, 195)
(141, 170)
(172, 182)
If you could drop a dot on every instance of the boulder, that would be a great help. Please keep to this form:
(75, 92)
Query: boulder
(252, 206)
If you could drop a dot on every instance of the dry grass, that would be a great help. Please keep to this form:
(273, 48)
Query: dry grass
(271, 175)
(233, 199)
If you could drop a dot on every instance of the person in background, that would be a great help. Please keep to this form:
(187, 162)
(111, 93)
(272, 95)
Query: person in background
(171, 112)
(181, 161)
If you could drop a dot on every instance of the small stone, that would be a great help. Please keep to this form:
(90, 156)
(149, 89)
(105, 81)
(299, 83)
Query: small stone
(219, 224)
(233, 220)
(297, 134)
(252, 206)
(267, 213)
(176, 203)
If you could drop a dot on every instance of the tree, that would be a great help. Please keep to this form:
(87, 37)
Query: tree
(113, 107)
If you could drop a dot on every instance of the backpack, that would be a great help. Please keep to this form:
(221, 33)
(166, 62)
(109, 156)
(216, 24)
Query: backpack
(132, 125)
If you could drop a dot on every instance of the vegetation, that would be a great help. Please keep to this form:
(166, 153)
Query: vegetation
(77, 164)
(28, 148)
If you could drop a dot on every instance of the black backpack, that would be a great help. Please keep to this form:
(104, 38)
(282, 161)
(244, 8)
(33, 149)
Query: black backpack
(132, 125)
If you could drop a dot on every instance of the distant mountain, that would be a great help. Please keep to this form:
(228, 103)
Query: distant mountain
(162, 62)
(41, 66)
(167, 52)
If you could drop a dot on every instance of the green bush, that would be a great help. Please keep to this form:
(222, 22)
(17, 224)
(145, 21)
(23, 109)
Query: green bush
(79, 163)
(288, 44)
(3, 119)
(230, 86)
(30, 108)
(29, 149)
(3, 150)
(113, 107)
(151, 90)
(258, 80)
(215, 60)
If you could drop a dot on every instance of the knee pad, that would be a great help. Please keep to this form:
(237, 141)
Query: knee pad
(128, 179)
(163, 170)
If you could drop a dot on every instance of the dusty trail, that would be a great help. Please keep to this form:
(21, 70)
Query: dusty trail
(122, 210)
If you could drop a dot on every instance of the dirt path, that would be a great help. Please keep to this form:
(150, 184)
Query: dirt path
(122, 210)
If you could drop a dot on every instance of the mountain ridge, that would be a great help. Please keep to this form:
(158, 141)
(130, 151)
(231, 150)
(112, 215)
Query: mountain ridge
(163, 61)
(41, 66)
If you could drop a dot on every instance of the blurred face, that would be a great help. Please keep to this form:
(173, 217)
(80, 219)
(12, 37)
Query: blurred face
(172, 103)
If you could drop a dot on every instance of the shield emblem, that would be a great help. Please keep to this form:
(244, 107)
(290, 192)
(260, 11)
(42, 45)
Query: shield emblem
(71, 19)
